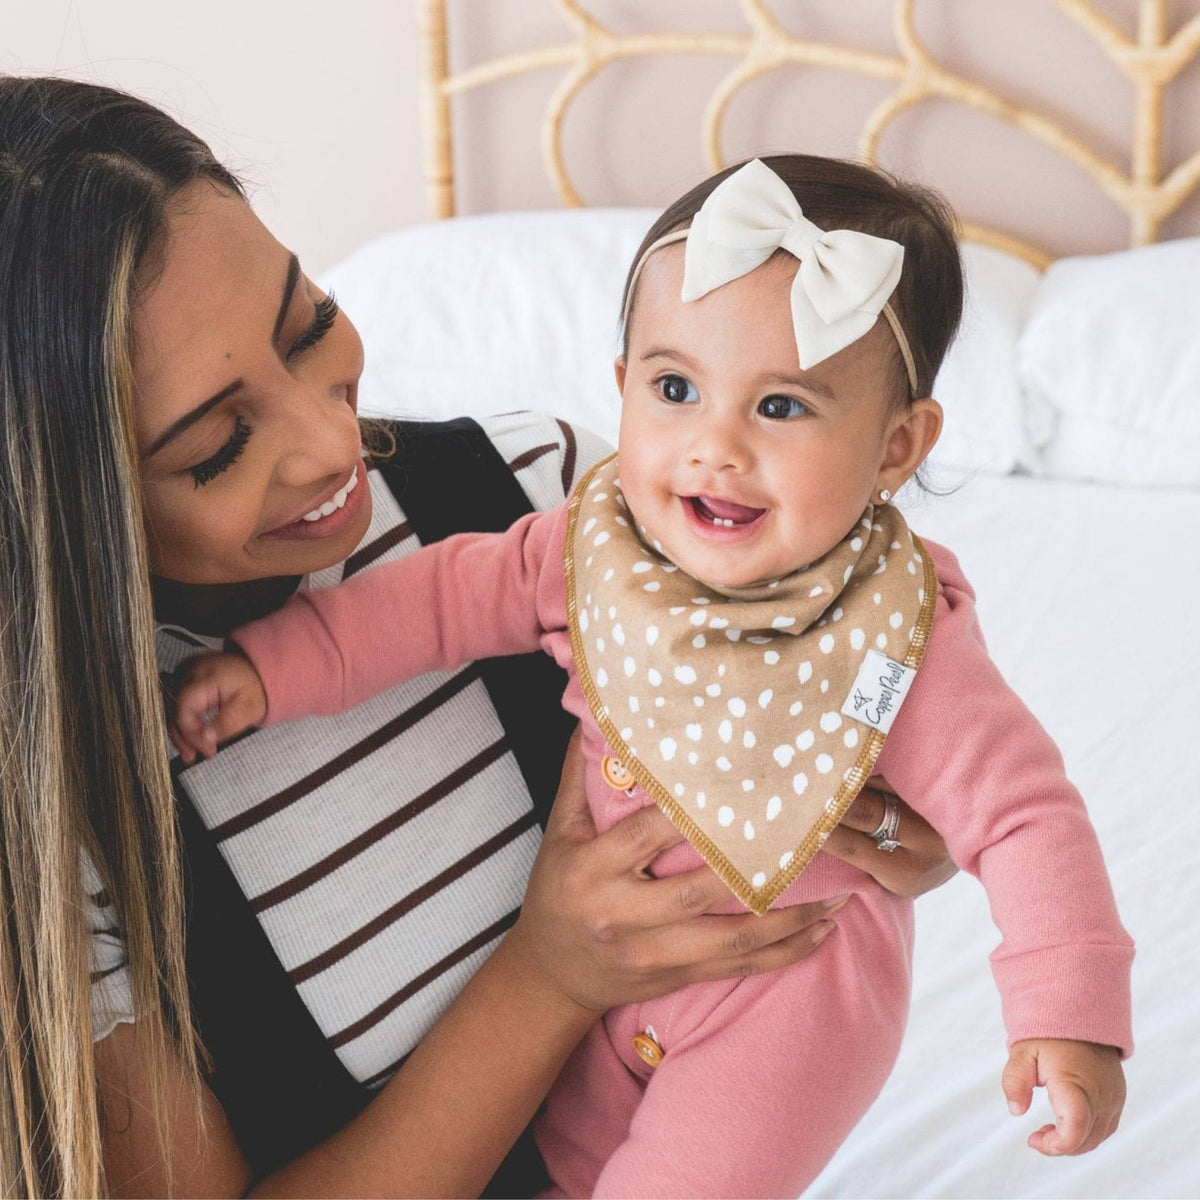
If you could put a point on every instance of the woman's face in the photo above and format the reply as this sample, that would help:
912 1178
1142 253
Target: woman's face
246 393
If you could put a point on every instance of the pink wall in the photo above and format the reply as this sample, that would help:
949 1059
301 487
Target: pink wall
318 105
633 135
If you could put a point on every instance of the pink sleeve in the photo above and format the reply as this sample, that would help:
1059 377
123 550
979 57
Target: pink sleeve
967 754
474 595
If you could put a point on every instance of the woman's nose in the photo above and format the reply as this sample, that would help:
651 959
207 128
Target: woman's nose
319 434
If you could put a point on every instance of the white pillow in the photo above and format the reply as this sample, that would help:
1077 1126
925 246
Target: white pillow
486 314
1110 362
977 386
489 314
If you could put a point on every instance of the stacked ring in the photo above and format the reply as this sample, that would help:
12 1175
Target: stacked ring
885 836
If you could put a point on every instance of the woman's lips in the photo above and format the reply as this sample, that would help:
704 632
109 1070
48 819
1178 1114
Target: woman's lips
303 528
722 520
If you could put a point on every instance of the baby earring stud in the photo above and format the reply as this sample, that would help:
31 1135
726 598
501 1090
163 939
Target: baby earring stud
884 496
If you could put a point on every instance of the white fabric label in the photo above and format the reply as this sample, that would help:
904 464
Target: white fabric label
879 690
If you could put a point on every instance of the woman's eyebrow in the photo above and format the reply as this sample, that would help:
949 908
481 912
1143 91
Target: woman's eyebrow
289 286
190 418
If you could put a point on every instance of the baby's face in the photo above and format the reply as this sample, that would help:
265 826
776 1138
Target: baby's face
739 464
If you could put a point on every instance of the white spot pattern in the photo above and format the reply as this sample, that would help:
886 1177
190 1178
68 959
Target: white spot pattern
765 749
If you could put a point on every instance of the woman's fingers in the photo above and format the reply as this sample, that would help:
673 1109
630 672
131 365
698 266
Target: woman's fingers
723 947
677 897
713 947
866 813
921 862
635 841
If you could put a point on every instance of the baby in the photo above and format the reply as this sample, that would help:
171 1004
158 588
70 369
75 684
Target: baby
751 631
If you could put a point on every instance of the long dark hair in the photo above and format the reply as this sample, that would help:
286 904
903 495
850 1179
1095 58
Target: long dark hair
85 175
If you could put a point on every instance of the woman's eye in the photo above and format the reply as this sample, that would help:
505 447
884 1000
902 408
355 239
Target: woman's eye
677 390
224 458
779 408
323 319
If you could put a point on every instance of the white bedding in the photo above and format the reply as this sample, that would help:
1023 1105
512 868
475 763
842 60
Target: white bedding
1088 594
1102 644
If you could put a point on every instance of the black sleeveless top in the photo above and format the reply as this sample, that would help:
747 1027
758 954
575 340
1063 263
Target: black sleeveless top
280 1082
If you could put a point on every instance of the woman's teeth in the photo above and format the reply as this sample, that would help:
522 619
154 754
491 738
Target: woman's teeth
335 501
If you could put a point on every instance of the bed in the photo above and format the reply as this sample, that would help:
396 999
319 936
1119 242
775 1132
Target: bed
1072 443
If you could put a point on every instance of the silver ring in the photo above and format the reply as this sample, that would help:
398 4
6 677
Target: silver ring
885 836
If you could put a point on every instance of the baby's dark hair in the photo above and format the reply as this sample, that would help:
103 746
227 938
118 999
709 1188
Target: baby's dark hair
836 194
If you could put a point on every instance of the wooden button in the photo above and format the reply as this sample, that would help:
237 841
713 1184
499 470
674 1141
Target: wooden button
615 774
647 1049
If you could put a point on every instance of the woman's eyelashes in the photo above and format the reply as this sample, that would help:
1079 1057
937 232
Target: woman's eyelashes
326 311
676 390
224 458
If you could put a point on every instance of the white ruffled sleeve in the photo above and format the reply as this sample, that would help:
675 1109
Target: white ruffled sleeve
112 1001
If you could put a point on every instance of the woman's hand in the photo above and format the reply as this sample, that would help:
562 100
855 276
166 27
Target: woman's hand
921 863
605 933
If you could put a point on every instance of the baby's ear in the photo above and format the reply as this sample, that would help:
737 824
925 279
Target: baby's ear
915 435
619 371
912 436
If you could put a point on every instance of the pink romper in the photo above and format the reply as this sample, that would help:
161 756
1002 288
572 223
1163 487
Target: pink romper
761 1079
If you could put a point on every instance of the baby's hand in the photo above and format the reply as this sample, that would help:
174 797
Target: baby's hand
1086 1086
225 685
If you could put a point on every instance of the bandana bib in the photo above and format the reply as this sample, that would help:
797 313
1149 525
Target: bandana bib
751 716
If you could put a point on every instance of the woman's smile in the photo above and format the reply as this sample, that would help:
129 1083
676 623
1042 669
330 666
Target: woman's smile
331 514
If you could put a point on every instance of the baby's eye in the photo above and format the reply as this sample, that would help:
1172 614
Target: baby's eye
677 390
779 408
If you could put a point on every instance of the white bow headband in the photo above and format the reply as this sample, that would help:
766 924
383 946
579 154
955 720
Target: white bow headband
844 280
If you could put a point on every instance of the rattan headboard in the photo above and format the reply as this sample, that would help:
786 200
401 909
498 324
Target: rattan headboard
1150 61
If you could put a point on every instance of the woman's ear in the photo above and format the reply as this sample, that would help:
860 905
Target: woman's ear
913 434
619 371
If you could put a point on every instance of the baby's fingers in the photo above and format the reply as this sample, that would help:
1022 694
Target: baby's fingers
191 733
1018 1080
1073 1125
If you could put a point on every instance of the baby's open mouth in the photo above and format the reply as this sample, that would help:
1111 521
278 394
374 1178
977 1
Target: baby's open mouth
723 512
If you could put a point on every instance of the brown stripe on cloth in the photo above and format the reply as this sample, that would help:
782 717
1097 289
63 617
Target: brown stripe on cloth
356 753
568 465
383 1076
99 975
531 456
380 546
378 831
186 638
452 959
391 915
